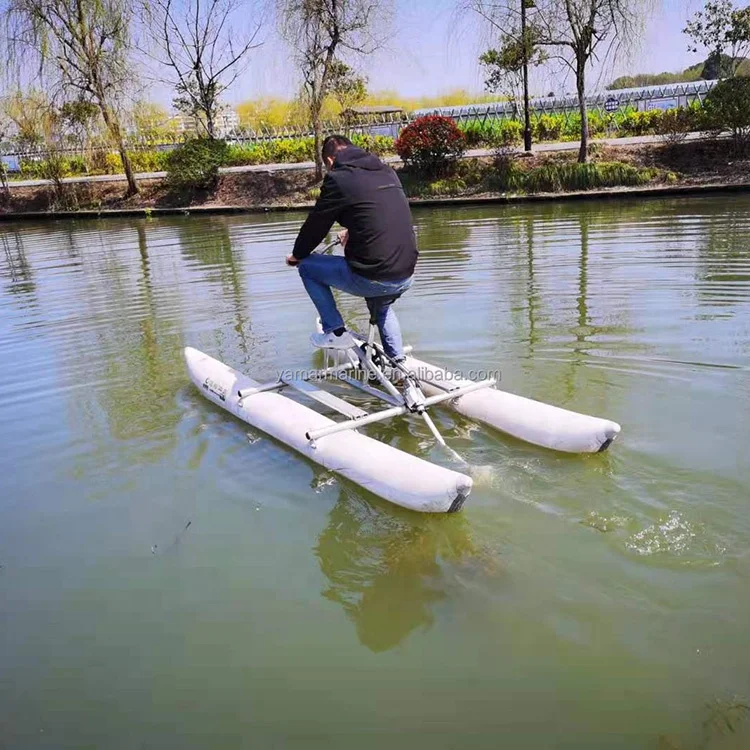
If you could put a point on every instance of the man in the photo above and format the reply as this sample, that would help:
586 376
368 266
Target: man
364 196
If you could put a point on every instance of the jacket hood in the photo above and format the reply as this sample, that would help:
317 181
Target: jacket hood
351 156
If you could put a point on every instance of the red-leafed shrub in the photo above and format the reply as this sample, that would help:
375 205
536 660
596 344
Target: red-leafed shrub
431 145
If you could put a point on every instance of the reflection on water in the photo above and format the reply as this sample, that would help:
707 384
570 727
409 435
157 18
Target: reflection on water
17 268
618 579
387 570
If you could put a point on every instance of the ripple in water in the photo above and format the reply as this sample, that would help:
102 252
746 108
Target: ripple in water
676 536
322 481
604 523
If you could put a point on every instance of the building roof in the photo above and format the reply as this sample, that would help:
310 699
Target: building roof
388 109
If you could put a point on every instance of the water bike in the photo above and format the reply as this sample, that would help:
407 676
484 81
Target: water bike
408 389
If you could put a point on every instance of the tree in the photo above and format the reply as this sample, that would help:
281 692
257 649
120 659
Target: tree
724 31
32 114
153 124
504 66
6 126
717 66
508 68
727 107
201 43
577 29
84 46
79 117
347 88
317 30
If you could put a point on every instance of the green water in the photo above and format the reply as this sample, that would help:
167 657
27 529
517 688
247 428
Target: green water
576 602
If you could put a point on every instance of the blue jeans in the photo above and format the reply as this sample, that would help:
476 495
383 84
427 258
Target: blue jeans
321 272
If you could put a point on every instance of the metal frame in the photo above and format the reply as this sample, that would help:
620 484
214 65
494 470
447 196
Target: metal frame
397 411
365 358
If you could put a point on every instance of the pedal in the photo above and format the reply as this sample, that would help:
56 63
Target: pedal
413 396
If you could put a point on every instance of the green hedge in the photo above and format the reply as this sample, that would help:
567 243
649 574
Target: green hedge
101 163
557 127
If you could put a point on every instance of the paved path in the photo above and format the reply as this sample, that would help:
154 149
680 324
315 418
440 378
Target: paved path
305 165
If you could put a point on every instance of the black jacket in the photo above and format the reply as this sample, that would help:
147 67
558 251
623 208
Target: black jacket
365 196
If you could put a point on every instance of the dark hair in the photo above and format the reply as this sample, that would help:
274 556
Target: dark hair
334 143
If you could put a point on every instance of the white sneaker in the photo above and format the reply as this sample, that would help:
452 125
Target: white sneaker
332 341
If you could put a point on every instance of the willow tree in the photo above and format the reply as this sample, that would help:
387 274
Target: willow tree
81 47
320 32
575 31
203 46
33 116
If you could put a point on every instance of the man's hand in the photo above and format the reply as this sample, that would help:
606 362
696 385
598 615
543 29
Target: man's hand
291 260
343 236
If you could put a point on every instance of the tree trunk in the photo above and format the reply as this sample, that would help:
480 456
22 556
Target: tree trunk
315 111
583 153
210 124
110 120
4 182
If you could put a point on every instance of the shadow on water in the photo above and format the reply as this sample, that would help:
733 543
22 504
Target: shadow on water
389 568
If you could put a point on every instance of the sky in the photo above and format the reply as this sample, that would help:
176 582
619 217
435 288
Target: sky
433 49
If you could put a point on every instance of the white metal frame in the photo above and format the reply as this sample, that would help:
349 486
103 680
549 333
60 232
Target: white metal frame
411 401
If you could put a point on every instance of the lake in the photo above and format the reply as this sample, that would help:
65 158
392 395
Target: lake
171 578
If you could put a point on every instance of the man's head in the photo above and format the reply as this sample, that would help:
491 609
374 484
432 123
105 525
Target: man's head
331 146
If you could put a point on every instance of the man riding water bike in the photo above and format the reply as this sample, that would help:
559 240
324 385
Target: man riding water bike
365 196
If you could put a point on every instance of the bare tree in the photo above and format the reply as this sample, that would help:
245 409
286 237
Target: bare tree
319 29
84 46
200 43
578 31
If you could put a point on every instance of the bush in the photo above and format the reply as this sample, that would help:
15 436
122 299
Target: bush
195 163
98 161
141 161
53 165
288 150
475 132
471 172
491 133
446 186
380 145
506 175
552 178
431 145
510 133
727 107
641 123
676 124
547 128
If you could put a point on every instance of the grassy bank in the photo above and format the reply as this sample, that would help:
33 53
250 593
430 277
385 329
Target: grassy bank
617 168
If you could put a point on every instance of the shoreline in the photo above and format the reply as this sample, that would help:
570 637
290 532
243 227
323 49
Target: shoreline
636 172
657 191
